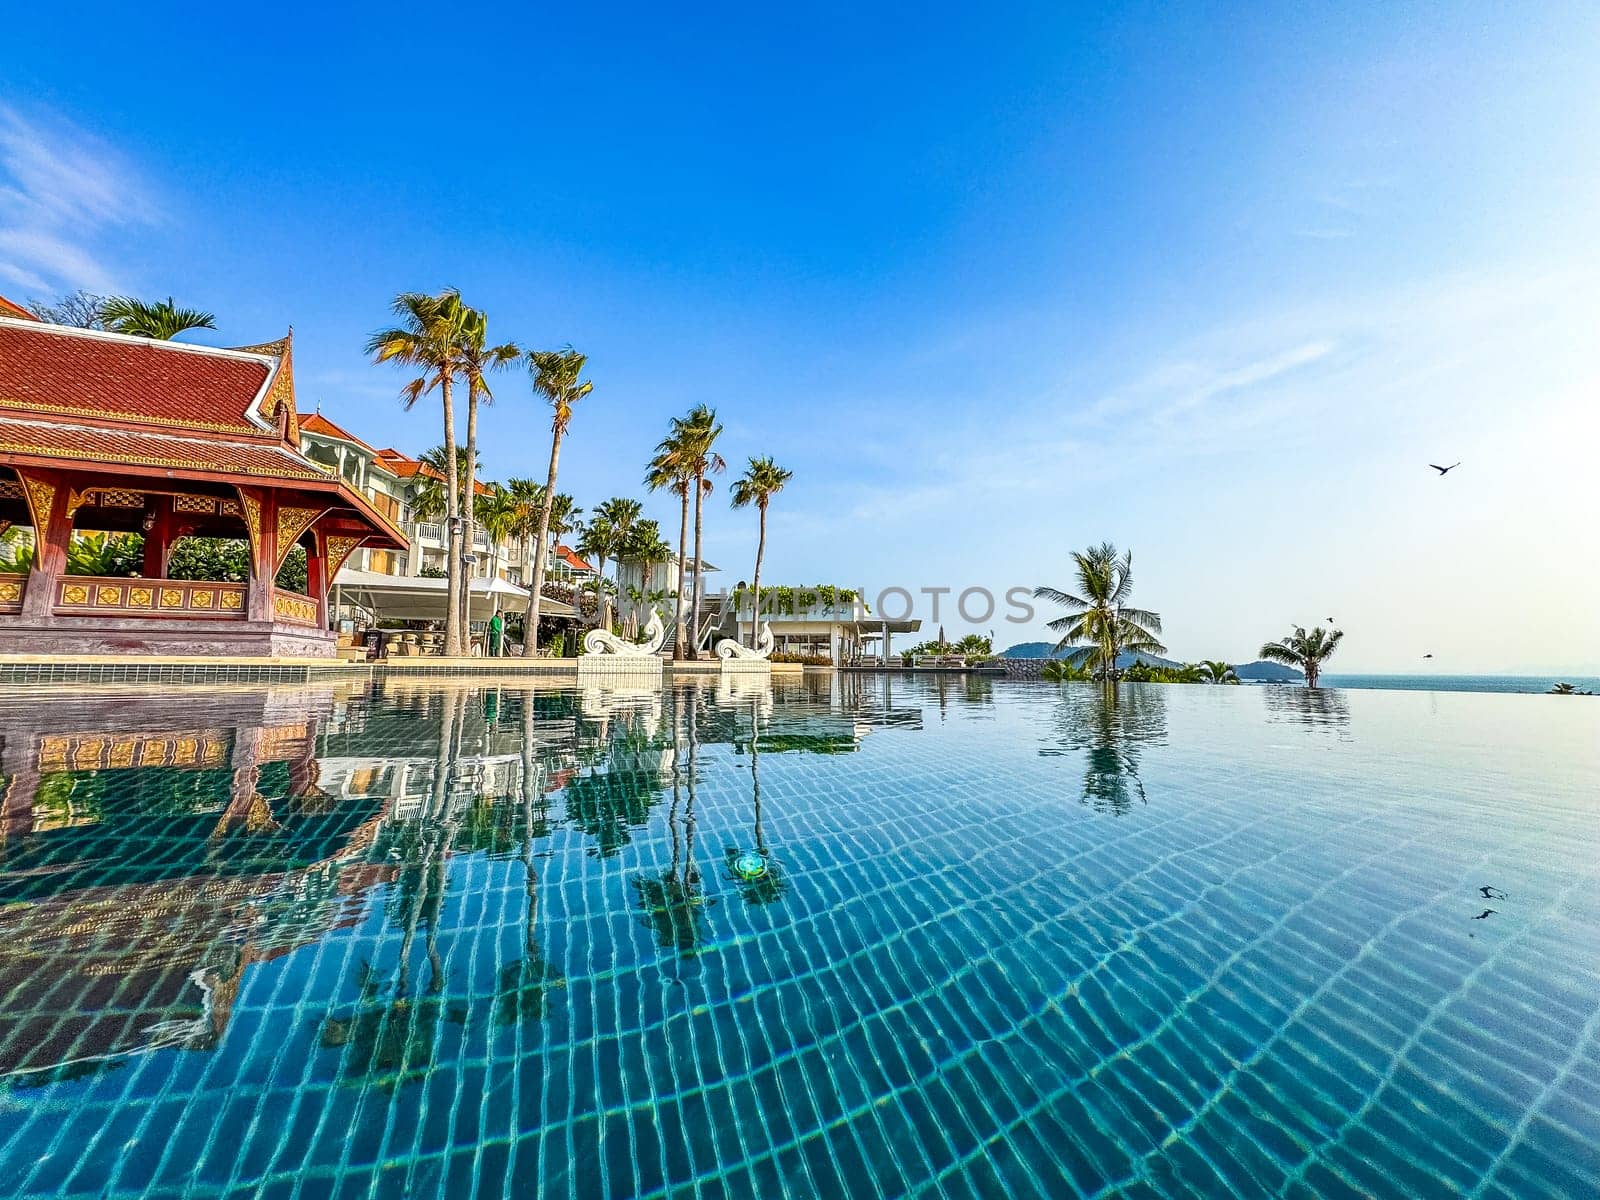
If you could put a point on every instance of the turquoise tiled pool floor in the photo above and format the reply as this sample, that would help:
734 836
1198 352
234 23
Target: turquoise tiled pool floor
868 937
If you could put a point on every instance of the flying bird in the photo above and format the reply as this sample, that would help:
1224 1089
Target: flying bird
1444 470
1427 656
1485 913
1492 893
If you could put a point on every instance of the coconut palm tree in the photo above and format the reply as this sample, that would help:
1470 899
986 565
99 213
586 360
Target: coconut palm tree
162 320
429 338
478 360
1102 618
644 547
1308 651
556 377
497 513
1214 671
668 470
619 514
693 438
599 541
762 480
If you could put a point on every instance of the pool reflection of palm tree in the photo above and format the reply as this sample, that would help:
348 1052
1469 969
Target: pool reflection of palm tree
391 1042
524 983
673 903
1322 708
755 873
1110 725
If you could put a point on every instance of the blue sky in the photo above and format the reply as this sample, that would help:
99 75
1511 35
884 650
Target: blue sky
995 282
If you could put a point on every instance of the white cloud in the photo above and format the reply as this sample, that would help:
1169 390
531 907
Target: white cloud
60 189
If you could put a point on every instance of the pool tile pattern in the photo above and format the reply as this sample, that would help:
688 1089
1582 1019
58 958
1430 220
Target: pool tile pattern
408 939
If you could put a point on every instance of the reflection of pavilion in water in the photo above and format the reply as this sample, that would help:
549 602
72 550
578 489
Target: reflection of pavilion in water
144 867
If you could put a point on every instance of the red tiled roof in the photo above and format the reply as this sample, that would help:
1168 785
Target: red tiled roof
405 467
64 372
9 308
572 560
317 423
97 445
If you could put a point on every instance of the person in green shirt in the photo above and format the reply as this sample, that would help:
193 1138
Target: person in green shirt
496 632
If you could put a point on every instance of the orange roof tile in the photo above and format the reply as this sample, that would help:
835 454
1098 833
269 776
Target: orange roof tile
10 308
317 423
572 560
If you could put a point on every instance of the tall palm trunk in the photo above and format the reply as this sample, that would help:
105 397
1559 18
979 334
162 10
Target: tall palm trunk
683 550
530 617
755 580
600 621
469 515
699 586
452 510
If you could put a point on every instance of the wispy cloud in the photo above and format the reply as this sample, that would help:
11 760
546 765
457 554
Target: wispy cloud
61 190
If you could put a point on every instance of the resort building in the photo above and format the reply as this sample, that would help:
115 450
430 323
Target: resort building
103 434
825 623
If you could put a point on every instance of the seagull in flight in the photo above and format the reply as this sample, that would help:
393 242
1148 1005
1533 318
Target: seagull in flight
1492 893
1484 914
1444 470
1427 656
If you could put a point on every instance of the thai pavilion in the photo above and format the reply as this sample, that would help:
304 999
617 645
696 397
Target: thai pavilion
102 432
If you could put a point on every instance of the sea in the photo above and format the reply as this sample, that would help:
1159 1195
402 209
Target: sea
1462 683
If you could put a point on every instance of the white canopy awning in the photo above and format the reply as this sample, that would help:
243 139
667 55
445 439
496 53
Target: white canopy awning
420 598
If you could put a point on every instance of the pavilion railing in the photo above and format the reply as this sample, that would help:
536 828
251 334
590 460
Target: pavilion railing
293 608
149 597
11 587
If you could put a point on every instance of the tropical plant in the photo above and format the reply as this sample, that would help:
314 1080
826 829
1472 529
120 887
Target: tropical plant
619 516
429 338
691 442
1100 625
556 377
762 480
80 310
669 471
497 513
162 320
597 541
429 494
478 360
1218 672
1567 689
1308 651
1059 670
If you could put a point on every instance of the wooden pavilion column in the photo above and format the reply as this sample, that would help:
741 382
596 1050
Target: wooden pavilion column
261 519
317 577
158 539
49 499
19 785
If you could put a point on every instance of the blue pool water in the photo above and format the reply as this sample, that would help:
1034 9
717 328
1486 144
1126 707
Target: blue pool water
1005 939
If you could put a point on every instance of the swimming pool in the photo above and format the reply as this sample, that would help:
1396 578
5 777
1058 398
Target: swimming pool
866 936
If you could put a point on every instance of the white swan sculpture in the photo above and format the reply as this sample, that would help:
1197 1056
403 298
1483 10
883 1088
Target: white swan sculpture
730 648
603 641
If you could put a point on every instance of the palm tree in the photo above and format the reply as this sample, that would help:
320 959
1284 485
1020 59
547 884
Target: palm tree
668 471
761 480
643 546
429 338
556 378
598 541
693 438
162 320
498 513
1308 651
1214 671
620 515
478 359
1102 616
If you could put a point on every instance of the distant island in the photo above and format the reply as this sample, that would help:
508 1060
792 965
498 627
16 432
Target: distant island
1259 671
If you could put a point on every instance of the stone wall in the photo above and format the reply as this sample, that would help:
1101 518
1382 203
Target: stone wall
1023 668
